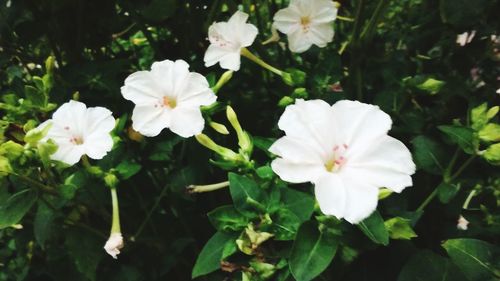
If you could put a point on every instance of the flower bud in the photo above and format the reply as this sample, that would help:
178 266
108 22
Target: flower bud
224 152
111 180
244 140
219 128
462 223
114 244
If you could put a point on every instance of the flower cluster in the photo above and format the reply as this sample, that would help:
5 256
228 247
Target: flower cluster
344 149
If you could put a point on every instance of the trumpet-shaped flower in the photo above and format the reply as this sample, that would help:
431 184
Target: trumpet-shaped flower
168 96
227 39
344 150
114 244
78 130
307 23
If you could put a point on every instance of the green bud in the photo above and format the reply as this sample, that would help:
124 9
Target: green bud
225 153
492 154
490 132
294 77
226 76
244 140
111 180
400 228
50 63
11 150
492 112
76 96
219 128
431 85
384 193
300 93
285 101
31 124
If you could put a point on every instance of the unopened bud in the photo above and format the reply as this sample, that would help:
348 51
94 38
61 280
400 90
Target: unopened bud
244 140
225 153
219 128
114 244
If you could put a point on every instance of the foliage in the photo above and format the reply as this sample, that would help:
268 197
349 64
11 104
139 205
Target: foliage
399 55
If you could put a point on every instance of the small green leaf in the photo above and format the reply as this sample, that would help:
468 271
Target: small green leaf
36 97
490 132
429 155
428 266
247 195
431 85
86 251
226 218
127 169
211 255
400 228
312 252
43 223
265 172
447 191
477 259
300 203
33 136
479 116
462 136
285 224
374 228
11 150
16 207
492 154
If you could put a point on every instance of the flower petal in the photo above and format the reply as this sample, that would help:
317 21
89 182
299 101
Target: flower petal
98 145
68 153
297 172
98 120
187 121
287 20
149 120
171 76
228 59
142 88
298 41
321 34
197 92
331 195
295 150
387 163
360 124
71 115
323 11
361 200
312 122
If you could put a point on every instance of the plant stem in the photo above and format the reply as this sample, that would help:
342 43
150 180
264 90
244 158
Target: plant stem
427 200
151 211
345 18
369 29
246 53
45 188
207 188
225 77
469 198
115 225
462 168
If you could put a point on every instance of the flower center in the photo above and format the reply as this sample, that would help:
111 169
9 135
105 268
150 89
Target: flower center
166 102
305 22
221 42
77 140
338 159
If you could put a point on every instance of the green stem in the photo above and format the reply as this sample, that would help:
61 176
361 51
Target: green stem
207 188
357 23
369 29
41 186
115 225
428 200
469 198
463 167
345 18
150 213
246 53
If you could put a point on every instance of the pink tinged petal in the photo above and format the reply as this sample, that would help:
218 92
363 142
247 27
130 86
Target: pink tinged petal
150 120
321 34
171 76
287 20
68 153
361 200
197 92
99 120
324 11
311 122
387 163
299 41
296 172
295 150
97 145
141 88
187 121
331 195
360 124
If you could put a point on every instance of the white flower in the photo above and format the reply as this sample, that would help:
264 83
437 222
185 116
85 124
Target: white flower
168 96
78 130
227 39
465 38
307 22
114 244
345 151
462 223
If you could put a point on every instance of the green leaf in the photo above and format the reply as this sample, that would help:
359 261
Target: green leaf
428 266
127 169
263 143
477 259
490 132
492 154
33 136
428 155
300 203
16 207
431 85
312 252
447 191
285 224
247 195
72 184
45 149
86 251
374 228
462 12
265 172
462 136
211 255
11 150
43 224
227 218
36 97
479 117
400 228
